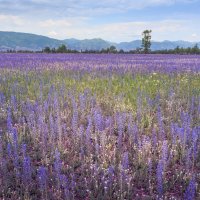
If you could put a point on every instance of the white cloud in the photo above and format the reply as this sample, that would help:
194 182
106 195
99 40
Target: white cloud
126 31
11 20
120 5
54 23
52 34
81 28
194 35
80 7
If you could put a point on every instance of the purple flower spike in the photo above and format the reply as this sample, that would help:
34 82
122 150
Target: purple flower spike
27 171
42 178
190 190
159 174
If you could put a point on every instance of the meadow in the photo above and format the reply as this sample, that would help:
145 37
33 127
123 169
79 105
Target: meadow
99 127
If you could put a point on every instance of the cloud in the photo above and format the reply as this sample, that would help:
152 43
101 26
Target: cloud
107 19
81 28
54 23
52 34
11 20
123 31
126 31
80 7
194 35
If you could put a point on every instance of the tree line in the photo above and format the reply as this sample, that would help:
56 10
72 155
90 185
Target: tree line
63 49
180 50
112 49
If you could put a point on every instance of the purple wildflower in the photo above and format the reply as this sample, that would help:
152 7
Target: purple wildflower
15 139
82 100
149 166
75 117
135 134
42 178
27 171
160 124
159 175
125 161
120 129
66 186
154 138
139 105
108 122
24 150
57 163
15 149
52 127
164 152
98 121
130 125
188 158
88 131
9 150
9 121
190 190
2 99
194 142
13 102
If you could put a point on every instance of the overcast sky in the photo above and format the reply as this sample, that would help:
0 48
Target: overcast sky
113 20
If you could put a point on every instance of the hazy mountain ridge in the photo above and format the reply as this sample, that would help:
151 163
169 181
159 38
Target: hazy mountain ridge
27 41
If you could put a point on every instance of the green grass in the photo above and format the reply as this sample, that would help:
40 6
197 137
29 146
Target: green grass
106 88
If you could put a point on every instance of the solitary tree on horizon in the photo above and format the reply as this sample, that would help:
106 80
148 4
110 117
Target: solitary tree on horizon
146 41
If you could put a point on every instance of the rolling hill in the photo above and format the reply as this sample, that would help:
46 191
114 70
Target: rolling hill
27 41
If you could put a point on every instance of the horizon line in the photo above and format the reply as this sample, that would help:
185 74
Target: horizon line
99 38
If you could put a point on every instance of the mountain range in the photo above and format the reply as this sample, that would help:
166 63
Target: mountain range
27 41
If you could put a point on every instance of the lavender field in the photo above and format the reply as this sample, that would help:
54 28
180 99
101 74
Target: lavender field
99 127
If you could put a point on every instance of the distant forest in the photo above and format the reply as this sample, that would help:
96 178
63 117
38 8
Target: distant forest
112 49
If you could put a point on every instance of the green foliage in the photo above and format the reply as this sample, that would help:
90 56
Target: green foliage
62 49
146 40
112 49
47 50
180 50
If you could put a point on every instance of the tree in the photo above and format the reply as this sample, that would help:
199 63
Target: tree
53 50
138 50
146 41
195 49
177 50
112 49
47 50
62 49
121 51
